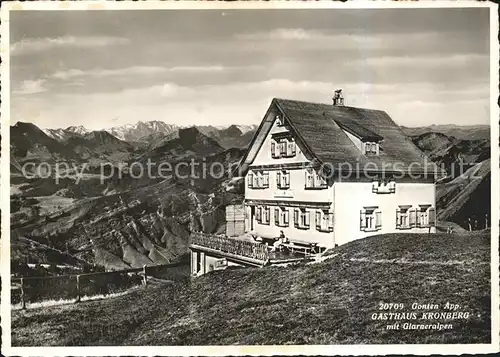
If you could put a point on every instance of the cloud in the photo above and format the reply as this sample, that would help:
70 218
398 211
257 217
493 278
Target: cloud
34 45
246 102
282 34
331 40
134 70
454 60
31 87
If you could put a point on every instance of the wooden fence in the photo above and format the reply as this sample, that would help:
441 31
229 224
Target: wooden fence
74 287
233 246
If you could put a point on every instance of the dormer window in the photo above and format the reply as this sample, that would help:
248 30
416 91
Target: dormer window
371 148
384 186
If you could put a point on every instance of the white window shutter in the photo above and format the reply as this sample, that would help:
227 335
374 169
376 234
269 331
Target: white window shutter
293 147
308 218
278 179
432 216
413 217
318 219
330 222
378 219
286 218
398 217
362 220
250 180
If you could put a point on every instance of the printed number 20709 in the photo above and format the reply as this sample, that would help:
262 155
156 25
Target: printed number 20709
390 306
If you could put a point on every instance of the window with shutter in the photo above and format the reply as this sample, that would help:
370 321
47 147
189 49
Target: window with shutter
378 219
283 146
330 222
273 149
286 217
296 217
277 216
370 219
362 220
307 219
413 217
278 179
258 214
250 180
309 178
432 216
318 220
398 218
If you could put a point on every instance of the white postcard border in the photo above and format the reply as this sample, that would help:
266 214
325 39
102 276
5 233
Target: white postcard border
451 349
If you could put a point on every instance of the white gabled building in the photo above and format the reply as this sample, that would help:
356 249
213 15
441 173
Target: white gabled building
329 174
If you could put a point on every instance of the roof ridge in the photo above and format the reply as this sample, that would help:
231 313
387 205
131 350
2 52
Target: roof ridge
325 104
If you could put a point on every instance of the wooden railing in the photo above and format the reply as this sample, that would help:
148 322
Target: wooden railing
74 287
223 244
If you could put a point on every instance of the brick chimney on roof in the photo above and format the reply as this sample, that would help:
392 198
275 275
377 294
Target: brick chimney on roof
338 98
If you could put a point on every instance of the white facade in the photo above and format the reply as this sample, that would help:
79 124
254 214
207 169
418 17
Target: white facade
333 211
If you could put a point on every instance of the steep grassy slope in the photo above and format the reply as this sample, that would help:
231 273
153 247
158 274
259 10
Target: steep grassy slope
466 196
325 303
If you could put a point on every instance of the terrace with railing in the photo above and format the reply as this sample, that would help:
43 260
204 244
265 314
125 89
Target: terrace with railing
229 246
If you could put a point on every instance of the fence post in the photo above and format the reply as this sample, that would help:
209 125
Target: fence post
145 277
77 288
23 302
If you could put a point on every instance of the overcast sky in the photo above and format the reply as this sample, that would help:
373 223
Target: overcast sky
108 68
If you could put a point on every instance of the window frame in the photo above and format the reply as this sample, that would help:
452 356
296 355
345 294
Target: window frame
374 214
423 216
324 220
384 186
302 218
371 148
258 179
311 179
283 147
403 211
280 174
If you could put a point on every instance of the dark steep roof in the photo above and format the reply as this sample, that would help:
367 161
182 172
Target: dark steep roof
319 127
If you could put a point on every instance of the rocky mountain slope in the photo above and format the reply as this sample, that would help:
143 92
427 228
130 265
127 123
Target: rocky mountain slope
126 219
141 130
129 220
453 154
465 199
28 142
470 132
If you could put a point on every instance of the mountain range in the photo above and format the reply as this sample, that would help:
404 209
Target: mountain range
128 221
468 132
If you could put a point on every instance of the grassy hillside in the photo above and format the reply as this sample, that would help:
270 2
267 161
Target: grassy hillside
325 303
466 196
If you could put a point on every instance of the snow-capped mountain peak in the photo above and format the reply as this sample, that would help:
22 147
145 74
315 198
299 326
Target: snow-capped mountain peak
80 129
136 132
